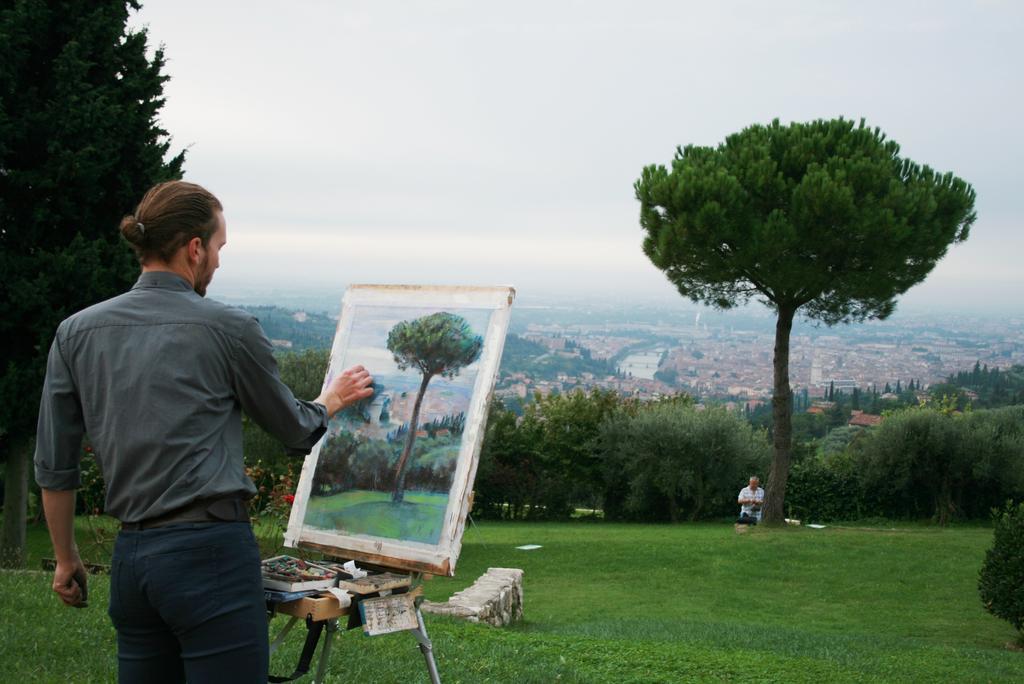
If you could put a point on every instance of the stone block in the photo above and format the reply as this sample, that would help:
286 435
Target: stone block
496 598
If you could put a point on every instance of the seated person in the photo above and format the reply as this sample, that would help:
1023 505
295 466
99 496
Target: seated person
751 499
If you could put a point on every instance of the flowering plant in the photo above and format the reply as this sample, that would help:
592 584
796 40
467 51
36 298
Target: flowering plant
91 500
92 495
272 504
274 491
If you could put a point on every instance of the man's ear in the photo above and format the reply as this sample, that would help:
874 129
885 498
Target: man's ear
194 245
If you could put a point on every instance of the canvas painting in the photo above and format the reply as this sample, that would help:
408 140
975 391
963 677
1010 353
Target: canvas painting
390 481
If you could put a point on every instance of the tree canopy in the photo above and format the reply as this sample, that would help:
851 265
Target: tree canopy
80 143
823 217
440 343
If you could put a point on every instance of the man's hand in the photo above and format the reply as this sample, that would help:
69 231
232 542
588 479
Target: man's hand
69 579
351 386
69 582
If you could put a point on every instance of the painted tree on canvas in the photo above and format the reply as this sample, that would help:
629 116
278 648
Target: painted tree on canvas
437 344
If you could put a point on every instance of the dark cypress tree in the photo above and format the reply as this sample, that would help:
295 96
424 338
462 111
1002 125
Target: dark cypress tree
79 145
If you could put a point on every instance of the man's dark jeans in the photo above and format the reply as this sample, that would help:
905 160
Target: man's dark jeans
187 603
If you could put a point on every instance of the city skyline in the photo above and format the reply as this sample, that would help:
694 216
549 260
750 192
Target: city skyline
653 351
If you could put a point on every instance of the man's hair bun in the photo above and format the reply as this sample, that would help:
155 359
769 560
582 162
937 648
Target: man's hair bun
132 230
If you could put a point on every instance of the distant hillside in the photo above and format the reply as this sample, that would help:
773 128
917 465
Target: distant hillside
295 330
540 363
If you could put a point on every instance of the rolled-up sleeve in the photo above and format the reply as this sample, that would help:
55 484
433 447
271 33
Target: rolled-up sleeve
267 400
61 428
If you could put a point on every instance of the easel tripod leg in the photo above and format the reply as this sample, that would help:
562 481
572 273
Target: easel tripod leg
426 647
283 633
325 654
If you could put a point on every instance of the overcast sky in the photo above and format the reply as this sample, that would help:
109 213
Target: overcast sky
497 143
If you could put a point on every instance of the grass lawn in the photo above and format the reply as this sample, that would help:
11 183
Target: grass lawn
419 517
638 603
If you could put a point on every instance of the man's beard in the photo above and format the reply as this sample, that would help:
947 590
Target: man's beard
203 278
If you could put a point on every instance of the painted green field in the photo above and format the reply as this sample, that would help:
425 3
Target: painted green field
640 603
418 518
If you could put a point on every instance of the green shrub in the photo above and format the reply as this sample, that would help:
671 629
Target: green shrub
1001 581
932 460
679 461
544 464
825 489
839 439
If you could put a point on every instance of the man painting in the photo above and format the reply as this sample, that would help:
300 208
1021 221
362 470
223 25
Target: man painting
158 378
751 499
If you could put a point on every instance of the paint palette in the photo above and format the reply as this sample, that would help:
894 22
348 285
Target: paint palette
287 573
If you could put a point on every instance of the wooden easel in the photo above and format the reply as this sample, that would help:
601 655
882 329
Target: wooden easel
321 613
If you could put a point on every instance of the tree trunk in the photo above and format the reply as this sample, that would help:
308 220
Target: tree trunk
698 506
782 422
673 508
944 502
399 494
12 544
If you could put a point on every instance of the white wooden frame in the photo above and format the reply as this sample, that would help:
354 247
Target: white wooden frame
406 554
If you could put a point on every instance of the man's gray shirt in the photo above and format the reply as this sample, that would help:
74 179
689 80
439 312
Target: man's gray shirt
158 378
